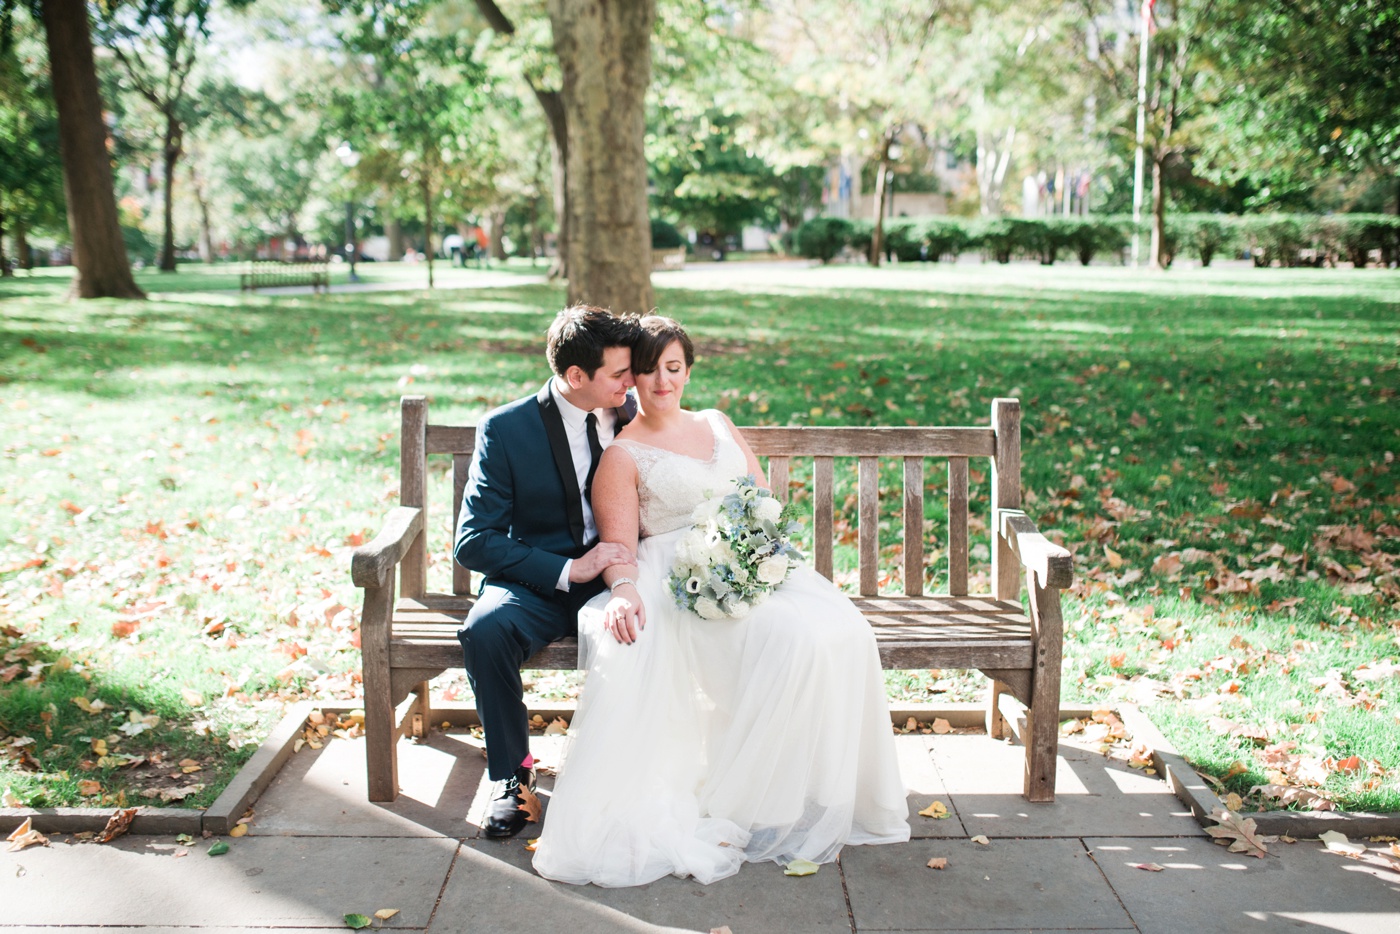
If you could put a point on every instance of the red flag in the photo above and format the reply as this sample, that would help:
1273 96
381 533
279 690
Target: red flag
1149 23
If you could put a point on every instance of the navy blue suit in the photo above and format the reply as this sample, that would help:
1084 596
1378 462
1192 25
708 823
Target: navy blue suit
521 519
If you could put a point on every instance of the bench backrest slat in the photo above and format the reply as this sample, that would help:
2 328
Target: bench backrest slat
957 526
868 535
778 477
413 491
780 445
913 526
461 464
867 442
823 514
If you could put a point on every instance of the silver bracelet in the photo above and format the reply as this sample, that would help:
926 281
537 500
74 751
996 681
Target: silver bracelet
620 581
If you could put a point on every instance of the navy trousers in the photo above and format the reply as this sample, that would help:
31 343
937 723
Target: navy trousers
509 623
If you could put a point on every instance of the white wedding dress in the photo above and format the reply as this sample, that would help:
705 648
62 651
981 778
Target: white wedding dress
706 744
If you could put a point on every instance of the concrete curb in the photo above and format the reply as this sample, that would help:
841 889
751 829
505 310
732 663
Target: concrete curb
258 773
1196 794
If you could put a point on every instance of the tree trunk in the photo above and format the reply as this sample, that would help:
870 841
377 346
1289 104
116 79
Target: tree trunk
1158 248
23 255
882 193
552 103
426 182
206 236
5 270
171 151
604 49
497 220
393 232
99 255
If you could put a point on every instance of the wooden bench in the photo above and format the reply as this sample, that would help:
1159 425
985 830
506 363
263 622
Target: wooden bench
262 274
408 639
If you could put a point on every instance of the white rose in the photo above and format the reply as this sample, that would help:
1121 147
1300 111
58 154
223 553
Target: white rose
706 511
706 608
768 509
690 550
773 569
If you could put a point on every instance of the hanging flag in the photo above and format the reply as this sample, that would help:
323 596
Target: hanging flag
1149 22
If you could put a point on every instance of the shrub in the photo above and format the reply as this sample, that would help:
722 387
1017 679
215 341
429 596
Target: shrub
1274 237
904 239
946 236
665 236
994 236
824 237
1090 236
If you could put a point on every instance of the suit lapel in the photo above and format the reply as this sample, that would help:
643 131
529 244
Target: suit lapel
563 460
625 412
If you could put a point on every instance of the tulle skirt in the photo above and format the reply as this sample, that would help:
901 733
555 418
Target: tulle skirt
706 744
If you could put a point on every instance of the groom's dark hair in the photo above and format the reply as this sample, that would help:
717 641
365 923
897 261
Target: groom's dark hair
580 334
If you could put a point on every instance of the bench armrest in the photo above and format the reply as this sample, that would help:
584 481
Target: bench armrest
372 562
1051 563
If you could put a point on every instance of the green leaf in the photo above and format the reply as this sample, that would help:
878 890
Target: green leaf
356 922
800 867
218 848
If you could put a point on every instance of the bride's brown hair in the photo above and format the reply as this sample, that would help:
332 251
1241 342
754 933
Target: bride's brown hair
654 334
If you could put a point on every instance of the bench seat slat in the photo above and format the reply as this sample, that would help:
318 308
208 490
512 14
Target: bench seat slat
911 632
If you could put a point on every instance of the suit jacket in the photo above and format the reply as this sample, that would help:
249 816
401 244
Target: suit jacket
522 513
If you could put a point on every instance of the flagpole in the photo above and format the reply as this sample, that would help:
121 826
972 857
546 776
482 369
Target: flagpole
1141 127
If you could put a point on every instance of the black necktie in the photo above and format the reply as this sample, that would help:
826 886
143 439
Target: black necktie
595 452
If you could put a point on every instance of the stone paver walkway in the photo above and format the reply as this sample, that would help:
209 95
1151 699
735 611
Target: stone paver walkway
317 850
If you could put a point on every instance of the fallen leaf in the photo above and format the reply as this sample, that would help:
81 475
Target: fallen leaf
238 830
1349 764
10 800
357 922
384 914
26 836
1338 843
938 862
1150 867
1233 802
981 839
941 726
800 867
118 824
1115 560
1241 833
1295 794
88 788
218 848
557 727
530 804
936 810
99 747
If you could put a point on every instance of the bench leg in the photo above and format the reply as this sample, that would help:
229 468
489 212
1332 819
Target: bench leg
1043 715
381 732
422 712
996 721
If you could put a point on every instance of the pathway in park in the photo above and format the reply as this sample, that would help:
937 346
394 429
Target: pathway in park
317 851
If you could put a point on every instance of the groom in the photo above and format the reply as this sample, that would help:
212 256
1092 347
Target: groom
527 525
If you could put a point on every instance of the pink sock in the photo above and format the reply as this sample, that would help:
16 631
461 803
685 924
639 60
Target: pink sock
528 762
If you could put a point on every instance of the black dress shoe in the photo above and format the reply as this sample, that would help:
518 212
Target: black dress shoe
506 814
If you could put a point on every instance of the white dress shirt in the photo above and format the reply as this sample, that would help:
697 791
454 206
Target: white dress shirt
576 430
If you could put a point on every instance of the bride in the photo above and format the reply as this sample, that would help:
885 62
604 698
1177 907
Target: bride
702 744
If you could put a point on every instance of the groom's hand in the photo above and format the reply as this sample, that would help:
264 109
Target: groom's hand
600 557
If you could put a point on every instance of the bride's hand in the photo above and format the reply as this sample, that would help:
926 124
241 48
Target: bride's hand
625 616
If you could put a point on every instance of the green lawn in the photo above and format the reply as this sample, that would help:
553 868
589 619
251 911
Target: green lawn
183 480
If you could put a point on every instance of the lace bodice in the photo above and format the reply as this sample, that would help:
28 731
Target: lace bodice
671 485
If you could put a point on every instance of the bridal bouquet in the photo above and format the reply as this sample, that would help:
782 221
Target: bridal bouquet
737 552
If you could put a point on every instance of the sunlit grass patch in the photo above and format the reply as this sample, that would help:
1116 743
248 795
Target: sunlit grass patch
183 481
